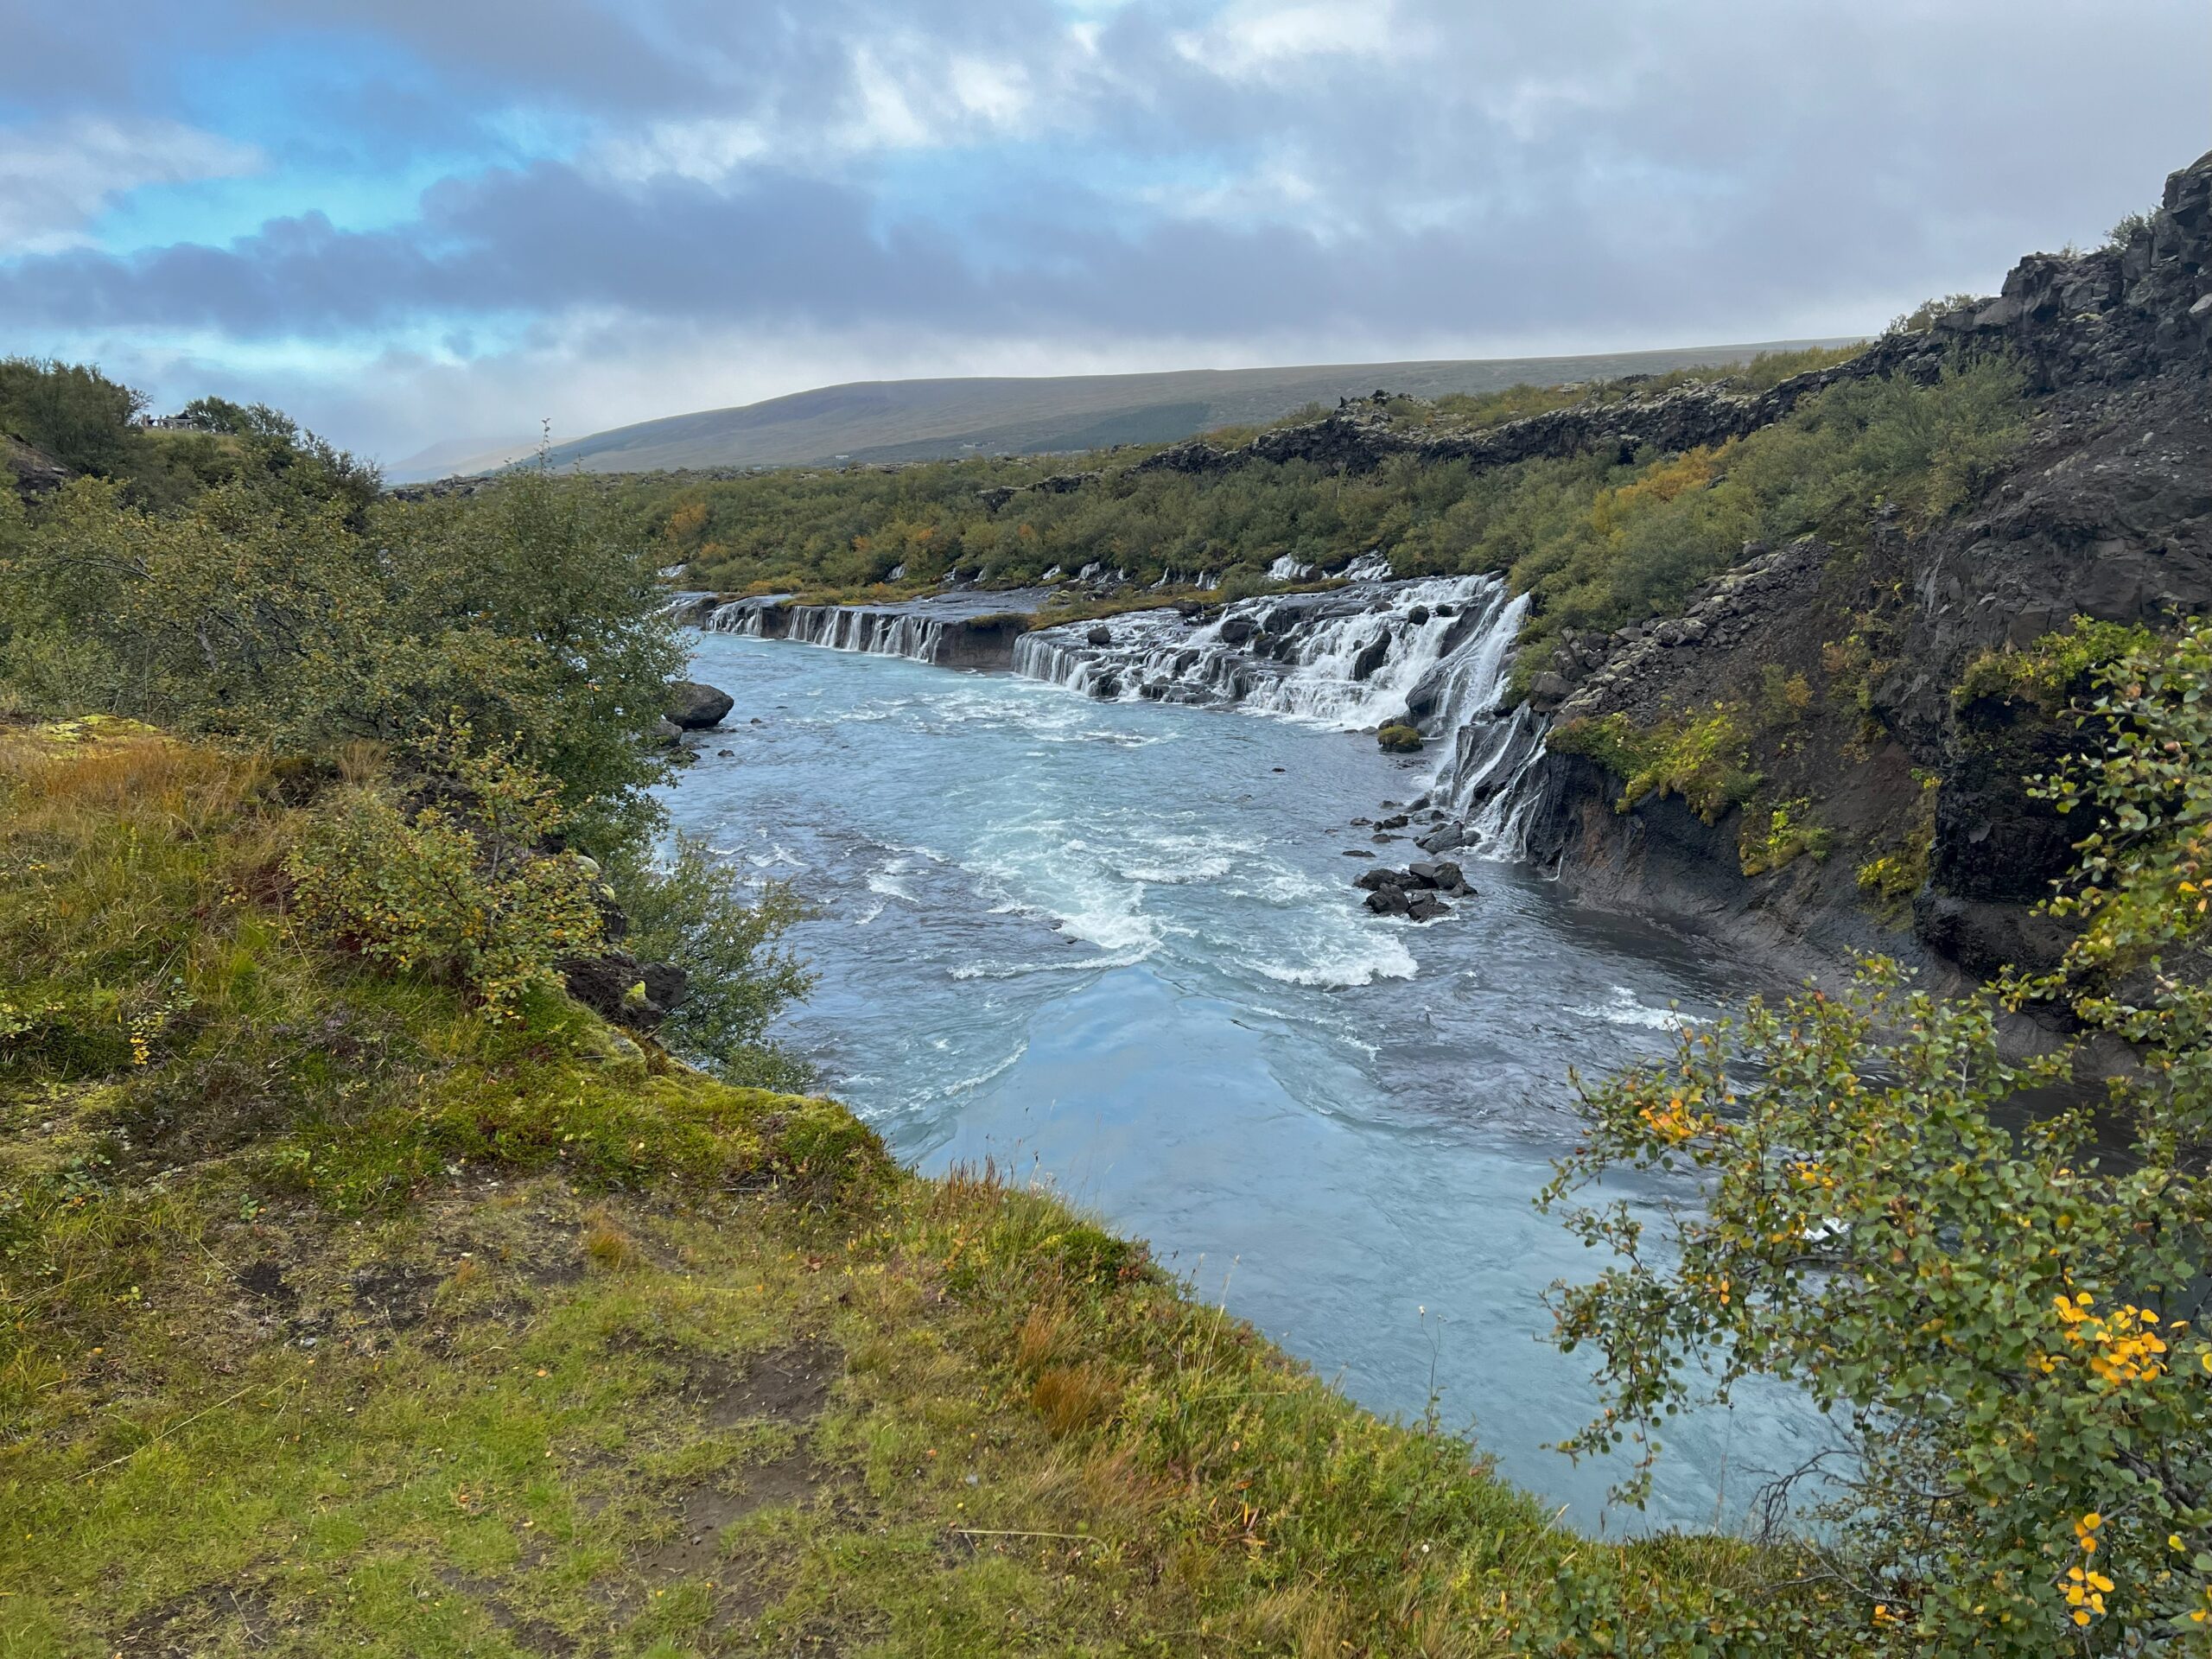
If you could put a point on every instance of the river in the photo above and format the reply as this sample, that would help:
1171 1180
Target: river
1114 947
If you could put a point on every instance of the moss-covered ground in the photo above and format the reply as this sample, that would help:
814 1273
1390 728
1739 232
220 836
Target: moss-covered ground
337 1317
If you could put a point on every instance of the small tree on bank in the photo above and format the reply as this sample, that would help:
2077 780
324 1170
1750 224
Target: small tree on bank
2004 1309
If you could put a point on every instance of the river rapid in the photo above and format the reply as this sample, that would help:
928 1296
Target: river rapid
1114 947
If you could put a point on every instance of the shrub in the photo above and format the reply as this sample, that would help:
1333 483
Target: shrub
2056 669
454 887
1893 878
1399 739
1706 761
280 620
2002 1322
691 910
1786 833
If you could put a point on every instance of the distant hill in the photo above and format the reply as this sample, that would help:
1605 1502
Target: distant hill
460 457
923 420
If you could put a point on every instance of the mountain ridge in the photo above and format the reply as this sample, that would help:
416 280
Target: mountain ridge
944 417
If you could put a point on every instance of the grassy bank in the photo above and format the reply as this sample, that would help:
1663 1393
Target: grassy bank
335 1314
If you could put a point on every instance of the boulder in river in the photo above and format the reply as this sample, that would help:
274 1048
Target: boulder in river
1372 655
1387 900
695 707
1416 893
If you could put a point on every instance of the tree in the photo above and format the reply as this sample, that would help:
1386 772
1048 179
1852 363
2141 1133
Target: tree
1999 1310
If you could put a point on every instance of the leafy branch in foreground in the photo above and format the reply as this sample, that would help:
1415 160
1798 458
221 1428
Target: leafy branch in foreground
1998 1307
691 911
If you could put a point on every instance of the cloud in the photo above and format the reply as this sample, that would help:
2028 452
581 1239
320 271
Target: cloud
721 199
57 176
1266 38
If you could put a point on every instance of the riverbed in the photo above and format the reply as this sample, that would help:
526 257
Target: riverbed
1114 947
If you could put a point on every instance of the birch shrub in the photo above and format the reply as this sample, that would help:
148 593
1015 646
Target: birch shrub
2000 1306
457 885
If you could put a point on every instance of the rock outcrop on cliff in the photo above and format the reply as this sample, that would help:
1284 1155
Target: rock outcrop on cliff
1847 665
30 472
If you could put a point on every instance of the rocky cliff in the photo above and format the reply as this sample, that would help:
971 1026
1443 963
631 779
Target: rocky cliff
1869 689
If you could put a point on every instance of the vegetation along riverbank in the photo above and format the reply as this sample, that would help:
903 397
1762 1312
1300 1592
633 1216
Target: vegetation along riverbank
413 1241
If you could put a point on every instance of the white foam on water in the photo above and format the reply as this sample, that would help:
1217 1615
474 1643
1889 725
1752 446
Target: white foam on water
886 881
863 921
1625 1008
1343 958
981 1077
1024 969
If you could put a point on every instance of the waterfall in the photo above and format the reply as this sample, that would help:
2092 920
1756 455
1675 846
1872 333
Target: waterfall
1435 651
744 617
839 627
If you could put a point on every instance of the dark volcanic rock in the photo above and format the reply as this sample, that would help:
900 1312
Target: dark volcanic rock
31 471
618 986
1387 900
2105 511
696 707
1371 657
1427 907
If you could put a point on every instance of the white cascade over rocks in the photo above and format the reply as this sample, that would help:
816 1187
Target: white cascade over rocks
881 633
1432 652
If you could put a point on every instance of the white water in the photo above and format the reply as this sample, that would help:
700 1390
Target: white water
1117 945
840 627
1443 644
1357 658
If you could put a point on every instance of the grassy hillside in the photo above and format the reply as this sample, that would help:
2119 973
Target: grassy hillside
336 1312
929 420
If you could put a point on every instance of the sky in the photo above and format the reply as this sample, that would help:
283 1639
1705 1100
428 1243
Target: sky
415 220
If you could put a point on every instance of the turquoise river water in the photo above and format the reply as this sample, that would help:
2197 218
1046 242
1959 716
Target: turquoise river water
1115 947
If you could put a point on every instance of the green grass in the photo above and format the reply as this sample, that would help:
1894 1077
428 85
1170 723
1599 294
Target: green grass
336 1315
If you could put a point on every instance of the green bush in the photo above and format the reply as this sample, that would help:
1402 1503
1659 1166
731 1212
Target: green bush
692 910
1399 739
1705 760
2001 1319
2056 669
524 611
455 887
1785 833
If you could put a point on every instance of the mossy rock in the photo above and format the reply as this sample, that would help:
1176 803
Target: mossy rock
1399 739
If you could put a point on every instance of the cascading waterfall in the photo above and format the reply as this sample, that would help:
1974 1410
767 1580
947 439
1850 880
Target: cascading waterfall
881 633
741 618
1433 649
